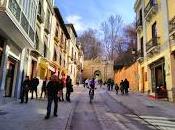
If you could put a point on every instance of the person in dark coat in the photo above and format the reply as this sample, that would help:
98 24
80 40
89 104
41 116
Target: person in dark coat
52 91
109 84
43 89
69 88
116 88
122 87
112 84
34 85
24 89
126 86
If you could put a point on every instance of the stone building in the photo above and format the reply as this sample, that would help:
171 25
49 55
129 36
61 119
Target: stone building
98 68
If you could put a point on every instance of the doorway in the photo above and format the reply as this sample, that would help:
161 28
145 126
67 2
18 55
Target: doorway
1 49
33 71
143 81
11 65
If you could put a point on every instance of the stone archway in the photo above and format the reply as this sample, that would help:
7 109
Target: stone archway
97 66
98 74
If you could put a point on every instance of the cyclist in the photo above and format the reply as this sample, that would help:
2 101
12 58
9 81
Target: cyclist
91 89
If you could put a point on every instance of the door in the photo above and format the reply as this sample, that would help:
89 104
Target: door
33 71
10 77
143 81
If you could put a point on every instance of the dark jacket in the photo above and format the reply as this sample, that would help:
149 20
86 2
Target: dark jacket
34 82
26 85
52 88
68 85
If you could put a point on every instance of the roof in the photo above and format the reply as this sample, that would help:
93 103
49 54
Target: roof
61 21
73 29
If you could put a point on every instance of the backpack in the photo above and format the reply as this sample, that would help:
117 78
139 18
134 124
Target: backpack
92 83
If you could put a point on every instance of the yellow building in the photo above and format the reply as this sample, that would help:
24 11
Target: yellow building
155 49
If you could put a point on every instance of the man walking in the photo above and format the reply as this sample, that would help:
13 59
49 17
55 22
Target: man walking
52 91
126 86
69 88
34 85
24 89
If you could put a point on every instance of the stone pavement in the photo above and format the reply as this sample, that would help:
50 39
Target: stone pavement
16 116
156 112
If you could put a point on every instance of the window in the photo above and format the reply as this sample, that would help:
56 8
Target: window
140 16
154 30
142 47
60 59
55 55
72 52
45 50
154 33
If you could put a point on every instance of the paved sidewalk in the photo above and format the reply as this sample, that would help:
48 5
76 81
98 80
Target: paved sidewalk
158 113
16 116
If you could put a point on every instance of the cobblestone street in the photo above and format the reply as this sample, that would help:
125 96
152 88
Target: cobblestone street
108 111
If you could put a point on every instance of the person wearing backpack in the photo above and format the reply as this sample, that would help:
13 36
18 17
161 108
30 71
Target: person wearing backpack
69 88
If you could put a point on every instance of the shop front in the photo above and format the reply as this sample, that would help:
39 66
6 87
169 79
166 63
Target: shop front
34 54
43 68
158 81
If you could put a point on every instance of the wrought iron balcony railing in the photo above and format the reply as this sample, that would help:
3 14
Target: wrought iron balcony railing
152 43
150 9
140 53
41 15
139 24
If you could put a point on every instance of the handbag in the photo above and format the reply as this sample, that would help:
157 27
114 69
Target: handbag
71 88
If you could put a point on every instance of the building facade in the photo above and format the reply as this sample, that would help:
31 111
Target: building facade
155 47
34 42
17 35
73 54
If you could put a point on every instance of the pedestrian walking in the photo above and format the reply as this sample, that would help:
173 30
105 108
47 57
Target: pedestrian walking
109 84
112 84
24 89
116 88
63 83
122 87
43 89
52 90
126 86
69 88
34 85
86 83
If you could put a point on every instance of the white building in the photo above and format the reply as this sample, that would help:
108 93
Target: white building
17 35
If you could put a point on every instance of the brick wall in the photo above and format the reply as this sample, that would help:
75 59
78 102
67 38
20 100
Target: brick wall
131 73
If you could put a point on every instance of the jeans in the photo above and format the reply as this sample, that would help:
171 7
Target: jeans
24 94
50 100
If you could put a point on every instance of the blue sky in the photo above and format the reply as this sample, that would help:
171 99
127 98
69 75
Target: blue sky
91 13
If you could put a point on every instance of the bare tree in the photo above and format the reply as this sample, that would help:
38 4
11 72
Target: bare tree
129 39
90 44
112 40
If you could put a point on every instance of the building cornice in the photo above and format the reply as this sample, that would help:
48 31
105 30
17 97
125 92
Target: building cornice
61 21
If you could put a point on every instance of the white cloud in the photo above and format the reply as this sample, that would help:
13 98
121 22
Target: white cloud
78 23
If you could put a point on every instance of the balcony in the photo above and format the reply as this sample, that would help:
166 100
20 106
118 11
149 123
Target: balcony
139 25
153 46
172 28
15 24
40 16
47 27
151 9
140 56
